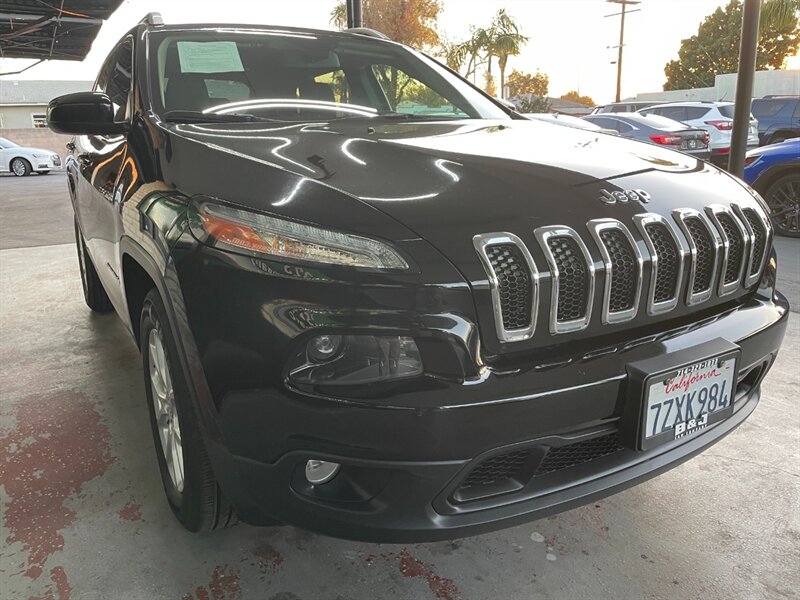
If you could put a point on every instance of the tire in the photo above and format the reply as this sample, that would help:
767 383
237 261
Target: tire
43 172
189 483
20 167
783 198
777 139
93 292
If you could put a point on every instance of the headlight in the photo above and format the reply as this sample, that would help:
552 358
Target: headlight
355 360
261 235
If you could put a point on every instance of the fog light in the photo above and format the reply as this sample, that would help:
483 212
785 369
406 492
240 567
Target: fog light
321 471
324 347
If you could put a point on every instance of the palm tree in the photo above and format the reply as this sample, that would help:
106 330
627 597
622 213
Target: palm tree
501 40
779 14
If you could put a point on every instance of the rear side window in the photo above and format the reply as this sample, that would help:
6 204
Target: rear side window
726 110
623 127
697 112
621 108
768 107
604 122
676 113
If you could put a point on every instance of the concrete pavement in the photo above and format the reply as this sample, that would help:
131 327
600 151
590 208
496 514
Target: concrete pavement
82 513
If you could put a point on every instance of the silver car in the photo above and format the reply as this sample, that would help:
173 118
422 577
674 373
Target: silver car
23 161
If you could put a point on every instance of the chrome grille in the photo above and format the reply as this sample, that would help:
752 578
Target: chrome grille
571 278
623 269
513 282
718 249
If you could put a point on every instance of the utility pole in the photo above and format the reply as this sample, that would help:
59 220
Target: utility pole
625 4
744 85
353 8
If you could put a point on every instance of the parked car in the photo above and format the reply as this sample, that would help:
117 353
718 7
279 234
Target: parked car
23 161
569 121
656 130
395 326
623 107
774 172
778 118
715 117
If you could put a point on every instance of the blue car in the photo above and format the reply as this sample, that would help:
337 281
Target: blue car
774 172
778 118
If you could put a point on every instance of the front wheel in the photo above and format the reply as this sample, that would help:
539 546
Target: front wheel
20 167
189 483
783 198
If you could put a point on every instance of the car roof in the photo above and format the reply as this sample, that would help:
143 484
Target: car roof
233 27
693 103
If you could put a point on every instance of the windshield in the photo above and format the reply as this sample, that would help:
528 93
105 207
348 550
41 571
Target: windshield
302 76
8 143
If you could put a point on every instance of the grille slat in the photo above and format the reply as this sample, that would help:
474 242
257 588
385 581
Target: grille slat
759 241
624 280
704 261
666 284
514 285
736 247
573 278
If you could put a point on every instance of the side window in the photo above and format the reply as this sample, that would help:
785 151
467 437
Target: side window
116 76
623 127
407 95
605 122
696 112
676 113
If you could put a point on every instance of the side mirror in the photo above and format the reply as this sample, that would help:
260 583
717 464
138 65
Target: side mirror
507 103
83 113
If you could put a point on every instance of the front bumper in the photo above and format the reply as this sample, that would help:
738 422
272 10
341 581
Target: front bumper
403 466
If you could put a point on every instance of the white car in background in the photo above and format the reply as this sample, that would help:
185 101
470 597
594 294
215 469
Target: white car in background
23 161
715 117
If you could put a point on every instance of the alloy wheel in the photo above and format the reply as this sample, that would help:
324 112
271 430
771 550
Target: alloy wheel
18 167
785 206
169 430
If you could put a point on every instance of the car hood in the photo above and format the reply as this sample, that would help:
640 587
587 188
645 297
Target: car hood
446 181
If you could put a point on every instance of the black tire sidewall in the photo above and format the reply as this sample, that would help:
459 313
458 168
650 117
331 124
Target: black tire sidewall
189 506
768 197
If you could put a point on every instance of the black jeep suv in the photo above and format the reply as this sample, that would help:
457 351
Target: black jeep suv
373 302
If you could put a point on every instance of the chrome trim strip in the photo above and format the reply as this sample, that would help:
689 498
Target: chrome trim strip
543 234
680 215
755 277
596 227
642 220
713 211
481 242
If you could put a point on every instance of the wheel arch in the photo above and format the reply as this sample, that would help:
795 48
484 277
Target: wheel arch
771 175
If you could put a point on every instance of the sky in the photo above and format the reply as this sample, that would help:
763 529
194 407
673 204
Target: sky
569 39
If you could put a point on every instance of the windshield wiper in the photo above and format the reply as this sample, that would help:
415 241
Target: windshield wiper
195 116
422 117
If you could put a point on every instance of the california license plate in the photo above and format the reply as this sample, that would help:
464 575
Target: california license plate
683 402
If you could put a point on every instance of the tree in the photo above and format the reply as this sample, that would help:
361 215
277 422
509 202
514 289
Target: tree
505 41
520 83
576 97
410 22
529 92
715 48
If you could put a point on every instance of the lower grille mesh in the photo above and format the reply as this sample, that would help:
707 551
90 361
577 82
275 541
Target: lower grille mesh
571 455
573 273
497 468
668 262
704 263
624 280
514 285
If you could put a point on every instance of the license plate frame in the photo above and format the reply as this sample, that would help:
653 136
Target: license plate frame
643 374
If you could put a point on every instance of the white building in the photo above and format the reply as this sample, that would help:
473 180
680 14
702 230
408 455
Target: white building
779 82
23 104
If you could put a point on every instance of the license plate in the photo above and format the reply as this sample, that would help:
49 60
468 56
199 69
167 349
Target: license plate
682 402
